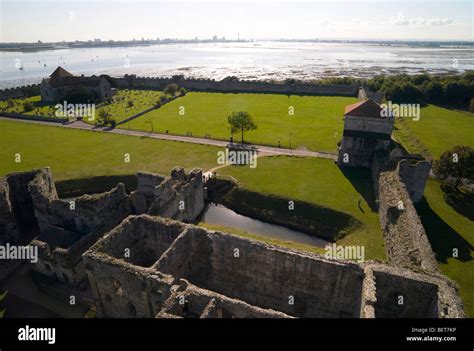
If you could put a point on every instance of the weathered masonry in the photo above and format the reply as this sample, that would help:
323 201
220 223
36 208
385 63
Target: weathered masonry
63 230
154 267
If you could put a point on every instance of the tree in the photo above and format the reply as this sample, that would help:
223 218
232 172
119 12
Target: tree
105 119
171 89
182 91
241 121
434 92
404 93
457 163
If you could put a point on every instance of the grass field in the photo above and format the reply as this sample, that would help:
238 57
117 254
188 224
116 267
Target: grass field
75 154
41 108
316 124
438 130
118 109
142 99
319 181
449 229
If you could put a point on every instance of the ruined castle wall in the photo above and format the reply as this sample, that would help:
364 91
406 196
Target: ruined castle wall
201 303
426 295
9 230
406 241
400 297
266 277
91 211
21 199
145 241
414 175
180 196
125 291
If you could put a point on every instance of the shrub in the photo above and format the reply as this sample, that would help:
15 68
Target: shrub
171 89
28 106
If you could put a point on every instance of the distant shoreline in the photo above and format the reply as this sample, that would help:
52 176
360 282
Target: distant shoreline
35 47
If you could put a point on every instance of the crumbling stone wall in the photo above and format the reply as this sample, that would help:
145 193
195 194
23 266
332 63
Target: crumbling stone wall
202 273
64 232
179 196
405 238
9 230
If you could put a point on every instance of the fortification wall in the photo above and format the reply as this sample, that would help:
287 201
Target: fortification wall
414 175
237 86
20 92
406 241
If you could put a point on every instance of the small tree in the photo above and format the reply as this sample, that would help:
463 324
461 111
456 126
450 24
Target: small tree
241 121
10 103
171 89
182 91
457 163
130 103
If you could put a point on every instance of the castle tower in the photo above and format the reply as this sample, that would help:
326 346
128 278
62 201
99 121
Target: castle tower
366 130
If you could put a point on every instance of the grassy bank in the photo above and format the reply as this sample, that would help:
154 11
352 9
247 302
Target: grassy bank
449 229
316 124
321 182
303 216
438 130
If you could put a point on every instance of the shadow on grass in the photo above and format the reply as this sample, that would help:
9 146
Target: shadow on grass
442 237
93 185
461 201
361 180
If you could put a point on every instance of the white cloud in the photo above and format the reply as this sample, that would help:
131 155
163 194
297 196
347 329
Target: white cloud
401 20
440 21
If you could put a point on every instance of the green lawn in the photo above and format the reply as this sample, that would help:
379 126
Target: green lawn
438 130
41 108
316 124
74 154
449 229
319 181
118 109
142 99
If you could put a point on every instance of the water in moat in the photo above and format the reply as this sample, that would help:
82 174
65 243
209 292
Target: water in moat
220 215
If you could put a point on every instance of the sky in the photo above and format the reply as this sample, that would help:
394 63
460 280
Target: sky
52 20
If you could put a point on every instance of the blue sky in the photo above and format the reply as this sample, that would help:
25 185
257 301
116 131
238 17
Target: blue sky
47 20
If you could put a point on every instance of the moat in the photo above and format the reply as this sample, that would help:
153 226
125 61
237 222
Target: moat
221 215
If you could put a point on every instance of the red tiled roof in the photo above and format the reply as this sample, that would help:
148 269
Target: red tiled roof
366 108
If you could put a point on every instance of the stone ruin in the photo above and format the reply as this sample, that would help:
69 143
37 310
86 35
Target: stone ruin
154 267
140 265
63 230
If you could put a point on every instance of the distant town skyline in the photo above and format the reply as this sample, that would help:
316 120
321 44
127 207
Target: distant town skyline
70 20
